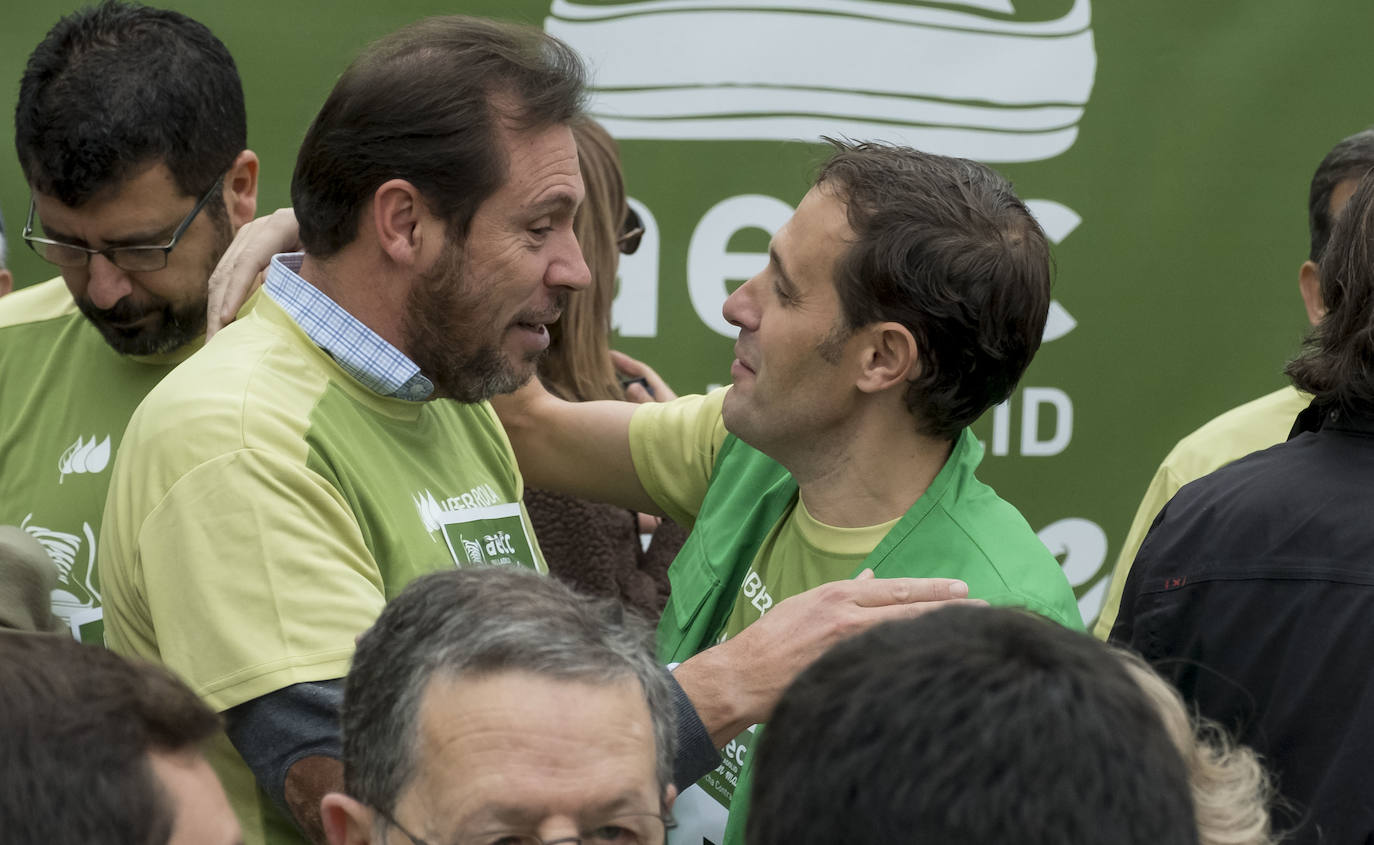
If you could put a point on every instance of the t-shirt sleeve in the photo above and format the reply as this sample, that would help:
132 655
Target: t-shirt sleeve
255 577
674 446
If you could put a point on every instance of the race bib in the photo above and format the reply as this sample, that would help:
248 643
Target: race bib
702 809
490 536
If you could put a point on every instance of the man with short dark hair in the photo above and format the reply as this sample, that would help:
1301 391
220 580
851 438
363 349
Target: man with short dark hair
1262 422
103 751
1253 592
130 130
905 297
496 702
969 727
276 490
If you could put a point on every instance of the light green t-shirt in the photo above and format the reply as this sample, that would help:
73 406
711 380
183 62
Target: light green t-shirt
265 507
65 398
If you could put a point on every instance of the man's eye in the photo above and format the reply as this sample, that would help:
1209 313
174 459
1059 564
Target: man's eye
613 835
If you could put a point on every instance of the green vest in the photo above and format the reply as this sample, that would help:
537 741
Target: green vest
749 492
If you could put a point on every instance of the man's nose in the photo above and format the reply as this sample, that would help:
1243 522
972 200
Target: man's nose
740 309
568 268
107 284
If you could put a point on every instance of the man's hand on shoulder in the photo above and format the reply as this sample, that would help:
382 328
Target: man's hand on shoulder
738 683
239 271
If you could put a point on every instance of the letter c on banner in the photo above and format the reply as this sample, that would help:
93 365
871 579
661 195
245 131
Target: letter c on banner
710 266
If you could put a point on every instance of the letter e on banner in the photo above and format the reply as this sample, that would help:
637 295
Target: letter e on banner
710 266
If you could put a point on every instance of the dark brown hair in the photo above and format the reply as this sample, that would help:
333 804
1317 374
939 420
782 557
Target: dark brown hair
1336 364
1352 157
78 723
115 87
944 247
420 105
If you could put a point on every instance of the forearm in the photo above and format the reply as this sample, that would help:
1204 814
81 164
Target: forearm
577 448
709 681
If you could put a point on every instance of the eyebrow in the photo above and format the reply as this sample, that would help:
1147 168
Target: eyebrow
620 805
561 202
157 237
782 271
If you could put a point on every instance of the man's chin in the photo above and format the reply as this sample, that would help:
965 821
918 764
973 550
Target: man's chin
157 337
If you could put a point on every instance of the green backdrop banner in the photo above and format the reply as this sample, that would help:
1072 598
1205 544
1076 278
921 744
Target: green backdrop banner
1165 147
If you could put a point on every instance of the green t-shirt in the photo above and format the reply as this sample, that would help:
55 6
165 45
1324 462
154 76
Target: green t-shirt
266 506
65 398
958 529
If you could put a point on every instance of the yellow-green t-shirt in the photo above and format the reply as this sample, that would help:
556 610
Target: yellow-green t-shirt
266 505
65 398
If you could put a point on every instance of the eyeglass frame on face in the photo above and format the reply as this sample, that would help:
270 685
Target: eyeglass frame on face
628 240
530 839
111 253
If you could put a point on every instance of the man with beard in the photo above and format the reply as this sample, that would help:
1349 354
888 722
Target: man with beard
131 133
278 488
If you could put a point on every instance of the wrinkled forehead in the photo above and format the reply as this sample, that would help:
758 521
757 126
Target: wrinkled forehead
512 748
145 204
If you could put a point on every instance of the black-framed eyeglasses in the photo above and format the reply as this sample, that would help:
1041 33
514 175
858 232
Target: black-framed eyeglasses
134 259
631 232
625 829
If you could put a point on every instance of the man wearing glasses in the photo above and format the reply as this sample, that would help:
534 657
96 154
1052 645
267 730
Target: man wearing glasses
495 706
131 133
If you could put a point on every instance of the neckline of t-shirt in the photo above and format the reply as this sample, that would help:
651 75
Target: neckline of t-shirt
833 539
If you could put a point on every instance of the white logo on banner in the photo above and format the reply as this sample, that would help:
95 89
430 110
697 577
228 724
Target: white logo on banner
966 82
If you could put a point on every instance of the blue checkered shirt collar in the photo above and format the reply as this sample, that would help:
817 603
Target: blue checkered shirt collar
361 352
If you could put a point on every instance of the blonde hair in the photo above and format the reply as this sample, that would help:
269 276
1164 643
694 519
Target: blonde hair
578 364
1231 790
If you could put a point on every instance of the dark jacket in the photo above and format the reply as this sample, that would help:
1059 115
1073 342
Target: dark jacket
1254 593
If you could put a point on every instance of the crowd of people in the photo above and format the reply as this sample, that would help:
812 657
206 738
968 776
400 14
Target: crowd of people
326 526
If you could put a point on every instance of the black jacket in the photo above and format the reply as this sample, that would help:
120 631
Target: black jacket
1254 593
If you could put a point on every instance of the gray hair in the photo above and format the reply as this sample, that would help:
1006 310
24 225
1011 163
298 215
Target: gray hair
476 621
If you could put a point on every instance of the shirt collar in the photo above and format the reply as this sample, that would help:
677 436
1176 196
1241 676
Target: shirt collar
361 352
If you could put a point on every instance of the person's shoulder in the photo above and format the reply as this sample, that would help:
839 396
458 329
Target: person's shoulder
43 302
248 381
1257 424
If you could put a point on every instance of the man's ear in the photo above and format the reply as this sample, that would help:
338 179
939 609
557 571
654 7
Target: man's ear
241 189
6 282
1310 286
346 821
669 796
405 229
890 357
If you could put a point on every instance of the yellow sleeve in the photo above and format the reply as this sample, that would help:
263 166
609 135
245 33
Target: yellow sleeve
1162 488
674 447
255 577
